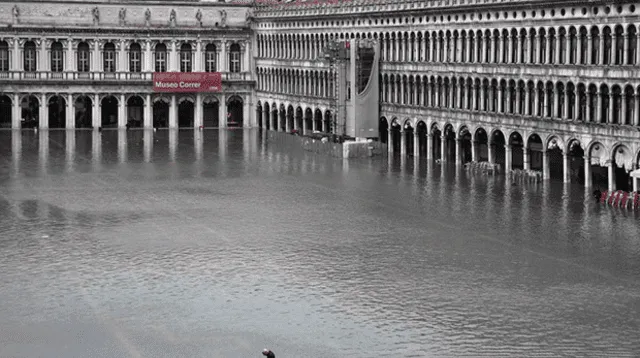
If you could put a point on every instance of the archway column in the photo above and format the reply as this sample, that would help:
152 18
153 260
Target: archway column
222 111
443 147
389 137
491 153
97 111
546 172
148 116
247 116
635 184
197 111
173 113
70 122
16 112
612 177
566 168
587 171
403 142
430 146
122 111
526 158
44 113
304 124
474 150
416 143
507 158
459 153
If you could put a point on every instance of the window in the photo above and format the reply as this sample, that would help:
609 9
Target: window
135 58
161 58
210 58
56 57
4 56
109 57
83 57
234 58
30 57
185 58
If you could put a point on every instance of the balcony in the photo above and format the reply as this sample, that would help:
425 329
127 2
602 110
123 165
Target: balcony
127 77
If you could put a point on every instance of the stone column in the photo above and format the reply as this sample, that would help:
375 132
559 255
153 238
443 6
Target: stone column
601 48
636 110
612 177
443 148
148 113
491 152
416 143
566 168
389 138
403 142
222 112
558 47
16 64
623 114
546 173
249 119
508 158
610 109
197 111
526 158
16 112
173 111
545 103
555 104
122 111
44 112
123 66
625 45
578 59
222 61
430 146
500 108
567 104
97 58
69 65
458 151
69 114
587 171
97 112
474 151
197 63
43 66
174 65
537 39
527 101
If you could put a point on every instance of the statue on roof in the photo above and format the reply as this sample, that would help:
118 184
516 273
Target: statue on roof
147 18
199 17
96 15
122 15
16 14
223 18
172 18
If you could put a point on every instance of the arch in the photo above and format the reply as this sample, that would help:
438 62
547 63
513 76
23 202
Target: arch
57 107
482 146
235 115
186 112
623 162
5 111
30 115
83 111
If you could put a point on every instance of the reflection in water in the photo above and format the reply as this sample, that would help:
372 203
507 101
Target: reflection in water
221 242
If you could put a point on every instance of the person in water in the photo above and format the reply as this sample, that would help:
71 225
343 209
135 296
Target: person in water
268 353
596 195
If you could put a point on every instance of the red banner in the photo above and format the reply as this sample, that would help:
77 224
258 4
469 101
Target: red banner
181 82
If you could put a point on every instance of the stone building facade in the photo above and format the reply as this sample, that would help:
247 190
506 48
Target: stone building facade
90 64
551 88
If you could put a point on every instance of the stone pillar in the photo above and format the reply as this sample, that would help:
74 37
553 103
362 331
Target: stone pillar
508 158
403 142
16 64
70 113
222 61
173 111
576 105
536 102
556 103
197 63
97 58
458 151
518 108
566 168
197 111
526 158
43 66
623 112
44 112
558 47
587 171
625 45
474 151
249 119
546 173
610 114
636 110
578 59
416 143
491 152
567 104
16 114
443 148
429 146
122 111
500 108
174 66
69 65
123 66
601 48
612 177
148 113
389 138
222 112
97 111
148 58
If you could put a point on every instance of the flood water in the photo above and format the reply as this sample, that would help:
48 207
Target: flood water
219 243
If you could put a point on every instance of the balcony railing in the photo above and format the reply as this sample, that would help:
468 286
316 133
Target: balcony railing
132 77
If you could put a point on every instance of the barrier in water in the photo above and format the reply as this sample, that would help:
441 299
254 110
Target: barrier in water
483 167
621 199
349 149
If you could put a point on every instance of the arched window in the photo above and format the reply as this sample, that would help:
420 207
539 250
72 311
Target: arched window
185 58
160 58
30 56
234 58
4 56
210 62
135 58
83 57
56 57
109 57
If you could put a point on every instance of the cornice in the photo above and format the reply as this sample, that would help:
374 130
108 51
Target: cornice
131 32
194 3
